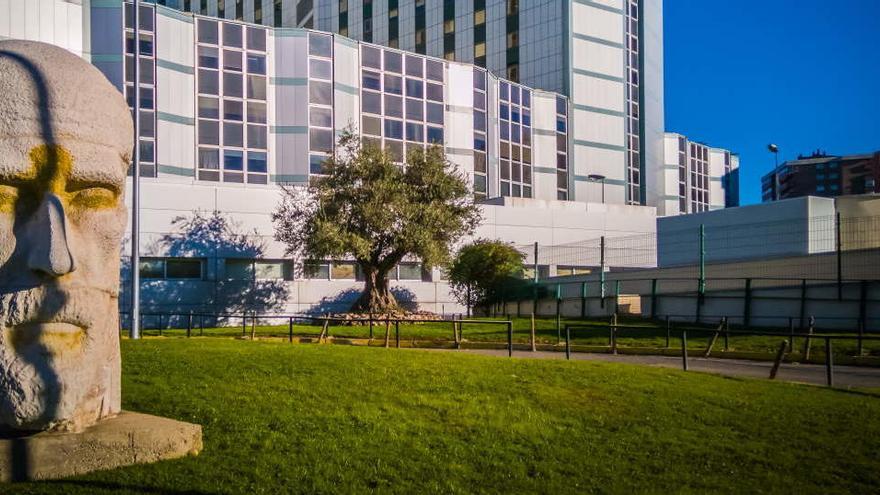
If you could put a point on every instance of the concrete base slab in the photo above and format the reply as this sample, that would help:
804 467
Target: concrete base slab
129 438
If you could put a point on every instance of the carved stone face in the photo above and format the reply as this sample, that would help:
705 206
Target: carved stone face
65 137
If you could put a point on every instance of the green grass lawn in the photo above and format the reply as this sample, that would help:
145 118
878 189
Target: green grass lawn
282 418
648 336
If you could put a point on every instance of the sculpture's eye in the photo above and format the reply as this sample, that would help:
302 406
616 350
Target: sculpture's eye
93 198
8 198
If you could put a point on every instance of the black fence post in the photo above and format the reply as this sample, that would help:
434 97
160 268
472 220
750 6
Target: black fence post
583 299
803 307
684 350
653 298
397 333
726 323
668 329
290 329
747 304
791 334
509 339
567 342
859 348
829 361
189 325
201 325
558 313
371 325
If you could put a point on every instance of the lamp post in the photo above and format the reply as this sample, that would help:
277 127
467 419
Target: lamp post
599 178
135 332
772 148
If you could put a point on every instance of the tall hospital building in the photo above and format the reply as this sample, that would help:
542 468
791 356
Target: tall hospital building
552 108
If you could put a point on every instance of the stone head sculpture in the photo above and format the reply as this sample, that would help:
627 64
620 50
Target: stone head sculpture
65 141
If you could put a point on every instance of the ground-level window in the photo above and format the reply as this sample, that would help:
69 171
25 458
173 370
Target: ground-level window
256 269
172 268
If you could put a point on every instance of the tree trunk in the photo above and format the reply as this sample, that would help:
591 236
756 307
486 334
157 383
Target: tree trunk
377 296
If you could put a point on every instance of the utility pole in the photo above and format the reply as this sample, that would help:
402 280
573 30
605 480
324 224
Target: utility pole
135 183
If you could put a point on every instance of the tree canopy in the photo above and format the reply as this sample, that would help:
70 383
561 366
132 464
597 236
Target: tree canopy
371 209
481 268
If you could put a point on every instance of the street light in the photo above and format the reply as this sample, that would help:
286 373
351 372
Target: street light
772 148
599 178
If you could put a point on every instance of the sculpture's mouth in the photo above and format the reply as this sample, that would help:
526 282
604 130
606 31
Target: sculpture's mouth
56 338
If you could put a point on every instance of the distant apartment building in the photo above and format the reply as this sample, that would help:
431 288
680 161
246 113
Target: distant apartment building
696 177
823 175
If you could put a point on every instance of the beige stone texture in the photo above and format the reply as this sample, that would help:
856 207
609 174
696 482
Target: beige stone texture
65 140
129 438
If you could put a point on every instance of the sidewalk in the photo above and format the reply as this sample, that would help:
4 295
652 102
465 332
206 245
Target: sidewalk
844 376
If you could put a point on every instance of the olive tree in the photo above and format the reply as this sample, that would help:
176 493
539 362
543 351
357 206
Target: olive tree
378 212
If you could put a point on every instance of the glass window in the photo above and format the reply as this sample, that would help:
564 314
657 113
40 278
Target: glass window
233 135
371 102
414 66
272 270
415 109
209 108
256 162
393 61
257 135
232 84
505 91
434 70
435 135
393 106
435 92
372 125
231 34
414 132
320 117
239 269
209 82
414 88
256 39
233 160
480 143
480 79
526 117
514 94
393 129
256 89
148 151
316 270
148 124
316 164
209 158
393 84
183 269
434 113
505 131
208 32
320 45
320 69
479 121
232 60
321 140
479 100
526 98
209 57
479 162
152 269
343 270
371 80
209 132
320 92
232 110
505 111
256 64
409 271
371 57
256 112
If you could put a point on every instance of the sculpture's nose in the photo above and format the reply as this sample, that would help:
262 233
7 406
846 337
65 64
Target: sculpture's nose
49 250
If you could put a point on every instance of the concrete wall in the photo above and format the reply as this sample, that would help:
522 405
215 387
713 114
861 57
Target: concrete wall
785 228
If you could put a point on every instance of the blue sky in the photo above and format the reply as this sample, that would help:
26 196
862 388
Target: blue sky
804 74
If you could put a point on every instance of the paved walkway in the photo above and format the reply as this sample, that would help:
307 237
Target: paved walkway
844 376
